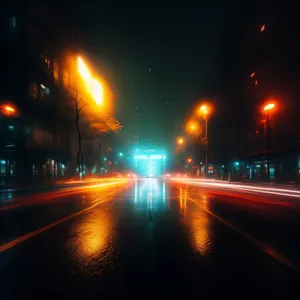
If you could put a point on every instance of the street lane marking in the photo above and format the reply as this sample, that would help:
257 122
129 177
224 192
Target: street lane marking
264 247
36 232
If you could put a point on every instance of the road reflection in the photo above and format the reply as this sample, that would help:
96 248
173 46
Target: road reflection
200 227
94 236
150 193
197 221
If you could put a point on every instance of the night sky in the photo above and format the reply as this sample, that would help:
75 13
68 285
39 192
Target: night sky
182 54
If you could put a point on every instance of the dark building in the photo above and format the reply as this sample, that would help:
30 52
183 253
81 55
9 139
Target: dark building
261 67
35 123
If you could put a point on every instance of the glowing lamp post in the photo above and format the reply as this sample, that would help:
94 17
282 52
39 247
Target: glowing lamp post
92 85
204 111
268 109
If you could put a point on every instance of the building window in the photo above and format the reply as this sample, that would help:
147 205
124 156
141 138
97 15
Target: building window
45 91
34 90
56 71
13 22
41 137
45 59
3 167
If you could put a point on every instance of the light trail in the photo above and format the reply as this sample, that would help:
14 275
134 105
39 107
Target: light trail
43 197
238 187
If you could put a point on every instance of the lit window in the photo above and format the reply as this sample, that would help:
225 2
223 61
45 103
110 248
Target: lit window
34 90
56 71
45 60
44 90
3 167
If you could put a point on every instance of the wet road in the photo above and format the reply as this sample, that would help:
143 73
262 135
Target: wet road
148 239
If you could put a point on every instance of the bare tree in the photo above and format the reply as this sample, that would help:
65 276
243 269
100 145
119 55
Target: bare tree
88 127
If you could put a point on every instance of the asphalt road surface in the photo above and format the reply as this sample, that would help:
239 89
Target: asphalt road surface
148 239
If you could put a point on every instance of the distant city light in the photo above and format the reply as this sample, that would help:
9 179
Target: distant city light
252 74
121 154
262 28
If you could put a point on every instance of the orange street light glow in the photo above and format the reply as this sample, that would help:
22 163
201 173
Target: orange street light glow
97 92
180 141
93 85
192 127
189 160
262 28
9 108
269 106
204 109
252 74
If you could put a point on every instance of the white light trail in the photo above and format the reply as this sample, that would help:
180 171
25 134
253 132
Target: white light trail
239 187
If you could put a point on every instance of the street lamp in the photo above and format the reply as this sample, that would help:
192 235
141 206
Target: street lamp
268 109
8 110
204 111
192 127
180 141
93 86
189 160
